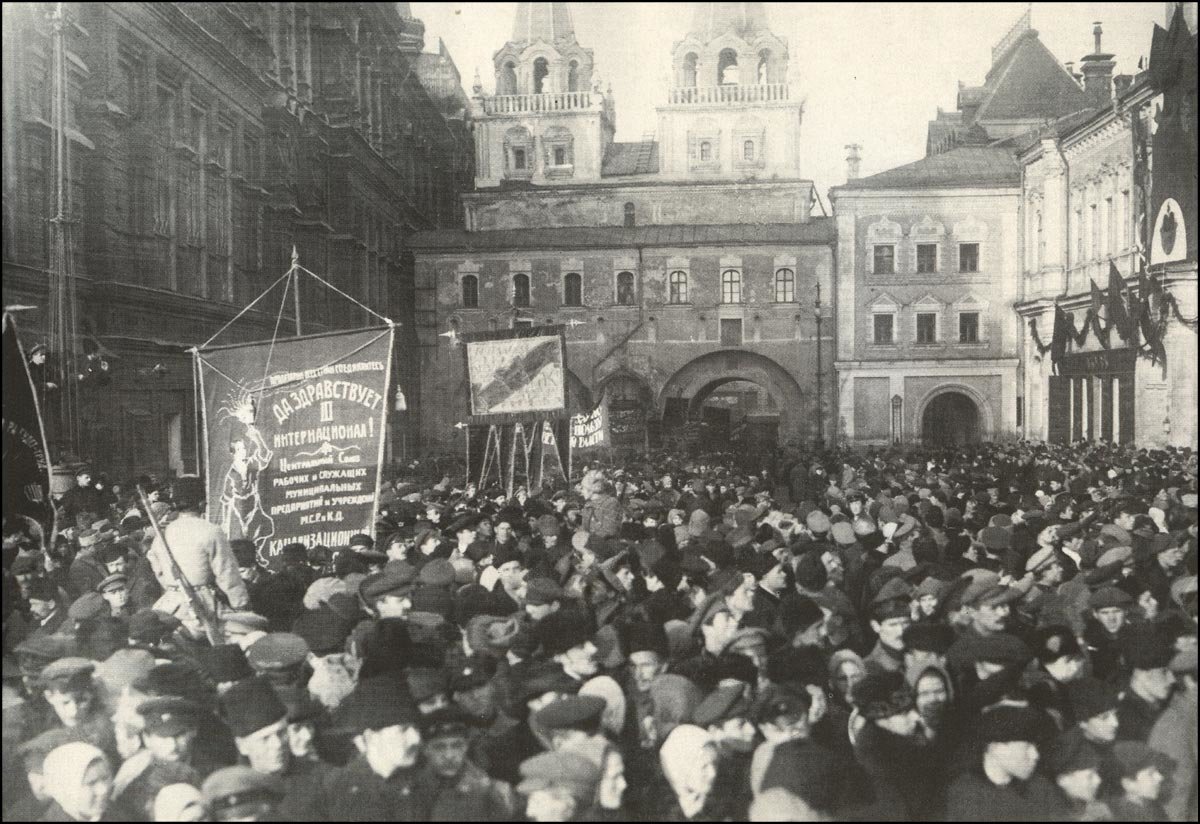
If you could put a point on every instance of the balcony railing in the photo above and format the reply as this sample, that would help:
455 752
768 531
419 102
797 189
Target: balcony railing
702 95
554 102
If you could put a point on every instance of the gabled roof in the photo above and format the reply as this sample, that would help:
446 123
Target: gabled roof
639 158
820 230
1029 82
964 166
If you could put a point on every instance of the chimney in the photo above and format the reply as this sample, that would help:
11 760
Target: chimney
1097 73
853 160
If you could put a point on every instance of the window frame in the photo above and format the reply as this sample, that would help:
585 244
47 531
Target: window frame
875 270
934 268
962 246
788 283
731 282
516 293
934 337
617 288
677 287
704 151
462 291
566 293
875 316
963 315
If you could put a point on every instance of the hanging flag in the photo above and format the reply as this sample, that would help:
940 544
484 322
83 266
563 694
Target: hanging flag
589 430
26 455
1058 343
1118 315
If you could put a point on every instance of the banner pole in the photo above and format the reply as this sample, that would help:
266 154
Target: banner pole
296 283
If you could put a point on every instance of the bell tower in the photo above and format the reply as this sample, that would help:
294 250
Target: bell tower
547 121
730 112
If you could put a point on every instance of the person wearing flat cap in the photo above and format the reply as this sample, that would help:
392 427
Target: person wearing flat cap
1075 768
1004 784
1061 662
1147 655
543 597
1143 782
115 591
902 771
170 725
1106 629
461 790
891 615
381 782
280 657
240 793
559 786
258 720
572 724
389 593
68 688
726 714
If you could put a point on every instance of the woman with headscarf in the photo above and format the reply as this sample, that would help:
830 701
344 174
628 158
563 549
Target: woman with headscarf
846 668
79 783
689 764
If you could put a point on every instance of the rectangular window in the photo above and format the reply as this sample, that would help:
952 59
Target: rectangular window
1095 218
968 327
968 257
1126 227
885 260
731 286
1110 219
1078 236
518 158
884 328
927 327
560 157
678 287
522 324
731 331
926 257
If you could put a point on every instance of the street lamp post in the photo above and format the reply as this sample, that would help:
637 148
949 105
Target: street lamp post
820 374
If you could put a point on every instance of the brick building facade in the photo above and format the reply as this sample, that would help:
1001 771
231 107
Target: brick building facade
680 264
206 141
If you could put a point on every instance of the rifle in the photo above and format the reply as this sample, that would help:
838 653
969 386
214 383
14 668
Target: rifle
205 616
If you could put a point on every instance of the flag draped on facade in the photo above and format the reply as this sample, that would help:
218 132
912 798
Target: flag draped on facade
26 456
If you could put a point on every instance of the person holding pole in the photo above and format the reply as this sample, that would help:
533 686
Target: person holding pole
198 550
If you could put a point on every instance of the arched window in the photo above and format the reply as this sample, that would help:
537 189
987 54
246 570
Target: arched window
518 151
541 69
630 215
785 286
626 295
689 70
573 289
677 281
727 68
506 83
705 151
573 76
470 292
731 286
520 290
764 66
748 150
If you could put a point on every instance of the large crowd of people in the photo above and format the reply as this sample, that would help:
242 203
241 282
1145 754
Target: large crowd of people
993 632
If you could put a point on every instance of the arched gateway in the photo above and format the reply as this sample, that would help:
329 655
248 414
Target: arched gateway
951 418
685 393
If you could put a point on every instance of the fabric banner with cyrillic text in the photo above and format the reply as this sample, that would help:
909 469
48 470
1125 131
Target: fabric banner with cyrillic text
294 432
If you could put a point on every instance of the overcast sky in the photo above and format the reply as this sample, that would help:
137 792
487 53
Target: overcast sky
872 73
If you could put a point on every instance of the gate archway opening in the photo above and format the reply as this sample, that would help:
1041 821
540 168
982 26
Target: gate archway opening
733 400
951 419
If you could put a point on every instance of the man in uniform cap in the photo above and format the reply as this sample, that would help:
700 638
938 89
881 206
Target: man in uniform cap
892 615
258 720
202 553
241 794
461 790
379 783
244 628
279 656
1147 655
558 786
542 598
115 591
572 724
1003 785
170 725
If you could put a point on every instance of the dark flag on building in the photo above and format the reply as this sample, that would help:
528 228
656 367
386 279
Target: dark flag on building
26 456
1118 315
1058 341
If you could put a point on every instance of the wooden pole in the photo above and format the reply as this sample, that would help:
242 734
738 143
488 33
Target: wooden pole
296 284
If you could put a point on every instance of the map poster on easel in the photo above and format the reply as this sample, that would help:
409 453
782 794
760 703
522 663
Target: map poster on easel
516 375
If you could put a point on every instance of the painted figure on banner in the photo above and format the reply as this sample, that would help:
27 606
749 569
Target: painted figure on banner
242 513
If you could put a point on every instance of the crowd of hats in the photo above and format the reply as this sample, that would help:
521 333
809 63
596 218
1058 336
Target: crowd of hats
989 566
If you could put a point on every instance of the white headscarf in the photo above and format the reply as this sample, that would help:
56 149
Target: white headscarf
174 800
603 686
65 768
679 756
